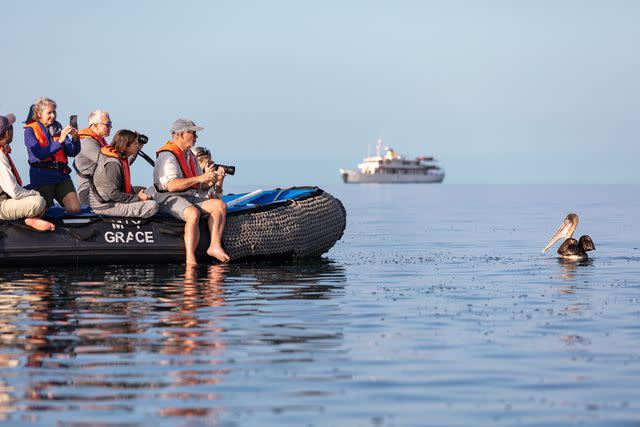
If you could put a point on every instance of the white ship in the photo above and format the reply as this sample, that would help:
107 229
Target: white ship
393 168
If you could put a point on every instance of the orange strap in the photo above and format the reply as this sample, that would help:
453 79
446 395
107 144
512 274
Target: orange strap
13 167
43 139
89 133
189 170
111 152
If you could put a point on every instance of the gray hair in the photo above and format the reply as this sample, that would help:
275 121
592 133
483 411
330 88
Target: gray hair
41 103
95 116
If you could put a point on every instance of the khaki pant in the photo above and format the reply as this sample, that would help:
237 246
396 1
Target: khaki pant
27 207
139 209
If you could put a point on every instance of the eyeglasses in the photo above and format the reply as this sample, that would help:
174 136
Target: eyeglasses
108 124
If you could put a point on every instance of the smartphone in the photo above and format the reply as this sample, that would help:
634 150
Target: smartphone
73 121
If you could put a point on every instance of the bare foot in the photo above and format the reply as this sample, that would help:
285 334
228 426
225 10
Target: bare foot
218 253
39 224
191 262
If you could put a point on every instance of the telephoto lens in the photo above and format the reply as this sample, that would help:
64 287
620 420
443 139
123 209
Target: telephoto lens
228 170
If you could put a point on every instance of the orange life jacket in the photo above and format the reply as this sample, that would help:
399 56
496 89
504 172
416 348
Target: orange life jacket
89 133
124 161
44 139
189 170
13 167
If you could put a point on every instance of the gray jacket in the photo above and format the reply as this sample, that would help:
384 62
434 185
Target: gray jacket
85 165
108 181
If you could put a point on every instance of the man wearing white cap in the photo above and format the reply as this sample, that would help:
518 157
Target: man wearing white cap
17 202
180 180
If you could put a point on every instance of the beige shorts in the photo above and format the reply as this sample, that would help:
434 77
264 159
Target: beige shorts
175 205
27 207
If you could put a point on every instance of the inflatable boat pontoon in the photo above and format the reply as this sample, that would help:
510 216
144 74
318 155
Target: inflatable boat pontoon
298 222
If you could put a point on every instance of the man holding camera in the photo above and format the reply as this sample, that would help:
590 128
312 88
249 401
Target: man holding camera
181 181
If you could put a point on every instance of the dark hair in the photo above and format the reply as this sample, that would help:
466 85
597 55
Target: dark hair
122 140
201 151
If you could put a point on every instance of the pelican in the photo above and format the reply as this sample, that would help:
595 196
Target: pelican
571 248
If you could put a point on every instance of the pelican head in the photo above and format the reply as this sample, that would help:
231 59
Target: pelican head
565 230
586 243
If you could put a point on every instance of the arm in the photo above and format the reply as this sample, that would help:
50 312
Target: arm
39 152
71 147
8 181
113 183
168 176
90 149
182 184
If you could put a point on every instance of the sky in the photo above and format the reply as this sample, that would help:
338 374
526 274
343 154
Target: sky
506 92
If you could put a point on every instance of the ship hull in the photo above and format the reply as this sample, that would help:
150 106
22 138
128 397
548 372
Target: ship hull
353 177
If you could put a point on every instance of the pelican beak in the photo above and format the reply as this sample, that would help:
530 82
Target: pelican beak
564 231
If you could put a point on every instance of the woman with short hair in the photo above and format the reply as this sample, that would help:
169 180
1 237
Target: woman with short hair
111 190
49 172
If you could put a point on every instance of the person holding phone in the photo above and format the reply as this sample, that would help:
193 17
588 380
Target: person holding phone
111 190
50 172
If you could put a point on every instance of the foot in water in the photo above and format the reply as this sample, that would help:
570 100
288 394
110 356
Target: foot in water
218 253
39 224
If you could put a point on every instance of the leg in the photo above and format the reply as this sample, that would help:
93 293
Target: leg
67 196
71 203
217 211
191 216
129 210
48 192
30 208
180 208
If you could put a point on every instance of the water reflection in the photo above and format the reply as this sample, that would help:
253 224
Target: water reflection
166 339
569 268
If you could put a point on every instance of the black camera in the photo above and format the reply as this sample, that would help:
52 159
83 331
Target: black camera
142 139
228 170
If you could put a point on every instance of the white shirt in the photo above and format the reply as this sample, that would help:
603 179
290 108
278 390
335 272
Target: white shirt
167 169
9 183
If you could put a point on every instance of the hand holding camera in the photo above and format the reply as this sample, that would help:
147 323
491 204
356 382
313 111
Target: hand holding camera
208 175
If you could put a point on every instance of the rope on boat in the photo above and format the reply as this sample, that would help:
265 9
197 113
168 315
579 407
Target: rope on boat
306 228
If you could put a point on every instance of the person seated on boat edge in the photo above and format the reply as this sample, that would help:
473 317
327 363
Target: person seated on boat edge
111 190
203 155
178 178
17 202
92 139
49 172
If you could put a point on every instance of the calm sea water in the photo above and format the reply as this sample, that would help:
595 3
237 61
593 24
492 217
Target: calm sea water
436 308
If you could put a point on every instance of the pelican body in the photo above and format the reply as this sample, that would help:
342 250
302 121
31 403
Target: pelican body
571 248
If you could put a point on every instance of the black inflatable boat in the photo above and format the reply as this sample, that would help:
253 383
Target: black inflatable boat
298 222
